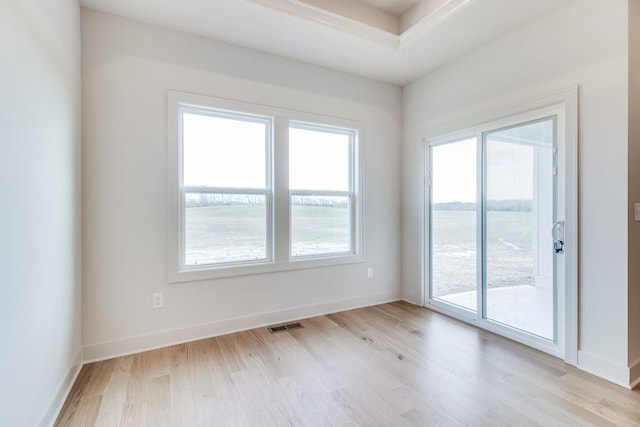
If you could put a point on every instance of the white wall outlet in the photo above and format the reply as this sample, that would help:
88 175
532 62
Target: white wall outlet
370 273
157 300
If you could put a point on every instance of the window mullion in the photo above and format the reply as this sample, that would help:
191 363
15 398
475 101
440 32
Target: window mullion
281 229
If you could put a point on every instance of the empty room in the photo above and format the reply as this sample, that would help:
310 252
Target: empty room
320 212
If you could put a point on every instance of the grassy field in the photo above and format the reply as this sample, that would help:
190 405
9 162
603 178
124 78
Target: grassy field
225 233
319 230
238 232
509 250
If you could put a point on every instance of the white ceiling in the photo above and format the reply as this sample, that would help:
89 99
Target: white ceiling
342 44
392 7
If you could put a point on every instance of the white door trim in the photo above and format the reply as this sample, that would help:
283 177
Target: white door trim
567 99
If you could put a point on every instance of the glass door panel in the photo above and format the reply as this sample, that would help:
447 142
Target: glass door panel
518 217
453 228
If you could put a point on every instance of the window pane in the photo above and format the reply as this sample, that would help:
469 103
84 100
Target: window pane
318 160
223 228
223 152
453 223
519 214
320 225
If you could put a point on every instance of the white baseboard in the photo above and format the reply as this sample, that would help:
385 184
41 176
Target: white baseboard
408 301
634 374
603 368
54 408
137 344
411 298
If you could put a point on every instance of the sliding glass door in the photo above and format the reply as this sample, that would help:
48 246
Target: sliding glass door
518 217
491 215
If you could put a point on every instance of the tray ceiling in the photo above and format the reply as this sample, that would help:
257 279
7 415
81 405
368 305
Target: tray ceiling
392 7
395 41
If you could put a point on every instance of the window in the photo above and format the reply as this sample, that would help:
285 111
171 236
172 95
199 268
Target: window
321 189
225 187
257 189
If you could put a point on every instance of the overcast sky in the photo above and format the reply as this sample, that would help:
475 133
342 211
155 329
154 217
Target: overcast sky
220 152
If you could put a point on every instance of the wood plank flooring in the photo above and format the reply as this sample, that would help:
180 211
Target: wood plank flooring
389 365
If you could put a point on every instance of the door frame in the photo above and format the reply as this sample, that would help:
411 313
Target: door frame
567 101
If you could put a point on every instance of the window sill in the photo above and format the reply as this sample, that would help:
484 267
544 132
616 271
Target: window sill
210 273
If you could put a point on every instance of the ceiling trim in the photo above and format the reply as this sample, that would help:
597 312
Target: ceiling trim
334 20
431 21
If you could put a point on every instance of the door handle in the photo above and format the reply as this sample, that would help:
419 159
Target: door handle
557 233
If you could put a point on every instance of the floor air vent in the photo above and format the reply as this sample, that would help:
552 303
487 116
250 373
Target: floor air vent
282 328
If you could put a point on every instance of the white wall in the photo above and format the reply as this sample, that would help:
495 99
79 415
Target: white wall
127 69
634 189
39 207
582 44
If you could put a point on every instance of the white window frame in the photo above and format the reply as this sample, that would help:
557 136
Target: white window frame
266 191
277 190
350 193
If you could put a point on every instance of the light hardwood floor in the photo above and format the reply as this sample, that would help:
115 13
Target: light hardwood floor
389 365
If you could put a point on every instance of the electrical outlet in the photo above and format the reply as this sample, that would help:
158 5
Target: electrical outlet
370 273
157 300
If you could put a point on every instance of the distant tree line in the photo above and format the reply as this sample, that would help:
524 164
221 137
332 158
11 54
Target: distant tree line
492 205
329 202
202 200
